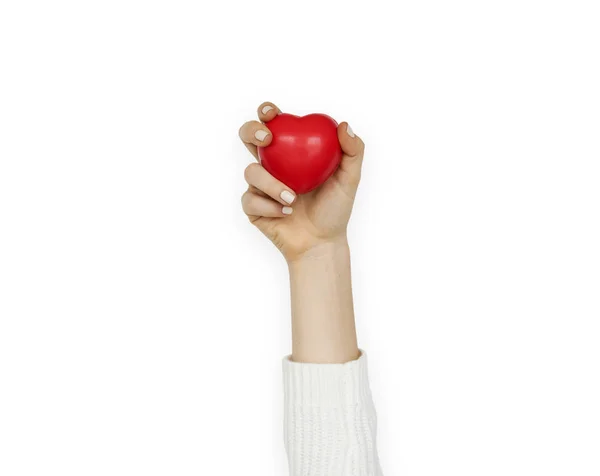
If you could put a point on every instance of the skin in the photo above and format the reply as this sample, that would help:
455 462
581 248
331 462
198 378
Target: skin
311 234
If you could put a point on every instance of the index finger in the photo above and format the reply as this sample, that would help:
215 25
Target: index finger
267 111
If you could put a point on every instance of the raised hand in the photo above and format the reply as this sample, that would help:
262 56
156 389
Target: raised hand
298 225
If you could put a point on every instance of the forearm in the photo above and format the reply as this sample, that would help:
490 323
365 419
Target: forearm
330 420
323 328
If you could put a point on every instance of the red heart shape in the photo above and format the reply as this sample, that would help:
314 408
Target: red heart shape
304 152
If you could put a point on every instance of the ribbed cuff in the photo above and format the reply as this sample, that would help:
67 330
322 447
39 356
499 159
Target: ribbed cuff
327 385
330 424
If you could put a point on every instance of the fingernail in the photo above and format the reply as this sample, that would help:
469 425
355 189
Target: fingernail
287 197
266 109
287 210
260 135
349 130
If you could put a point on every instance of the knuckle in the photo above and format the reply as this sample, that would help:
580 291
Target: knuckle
246 200
242 130
251 171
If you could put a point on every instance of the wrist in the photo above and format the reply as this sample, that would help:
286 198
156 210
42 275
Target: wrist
325 250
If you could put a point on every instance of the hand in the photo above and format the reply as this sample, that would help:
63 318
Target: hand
298 225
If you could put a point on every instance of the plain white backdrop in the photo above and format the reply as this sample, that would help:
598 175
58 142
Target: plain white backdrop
143 319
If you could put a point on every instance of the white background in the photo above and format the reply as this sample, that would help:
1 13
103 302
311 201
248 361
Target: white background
142 318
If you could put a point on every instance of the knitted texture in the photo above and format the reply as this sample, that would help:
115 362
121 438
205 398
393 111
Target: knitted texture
330 423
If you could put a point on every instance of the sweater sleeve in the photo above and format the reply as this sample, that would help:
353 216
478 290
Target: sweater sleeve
330 423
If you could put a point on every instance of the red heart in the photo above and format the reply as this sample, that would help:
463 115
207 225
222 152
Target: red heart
304 152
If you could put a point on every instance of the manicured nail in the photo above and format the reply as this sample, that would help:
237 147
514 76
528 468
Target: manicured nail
349 130
287 197
260 135
266 109
287 210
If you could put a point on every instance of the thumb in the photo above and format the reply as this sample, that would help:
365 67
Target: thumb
353 148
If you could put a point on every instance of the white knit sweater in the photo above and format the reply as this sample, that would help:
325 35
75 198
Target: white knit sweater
330 423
